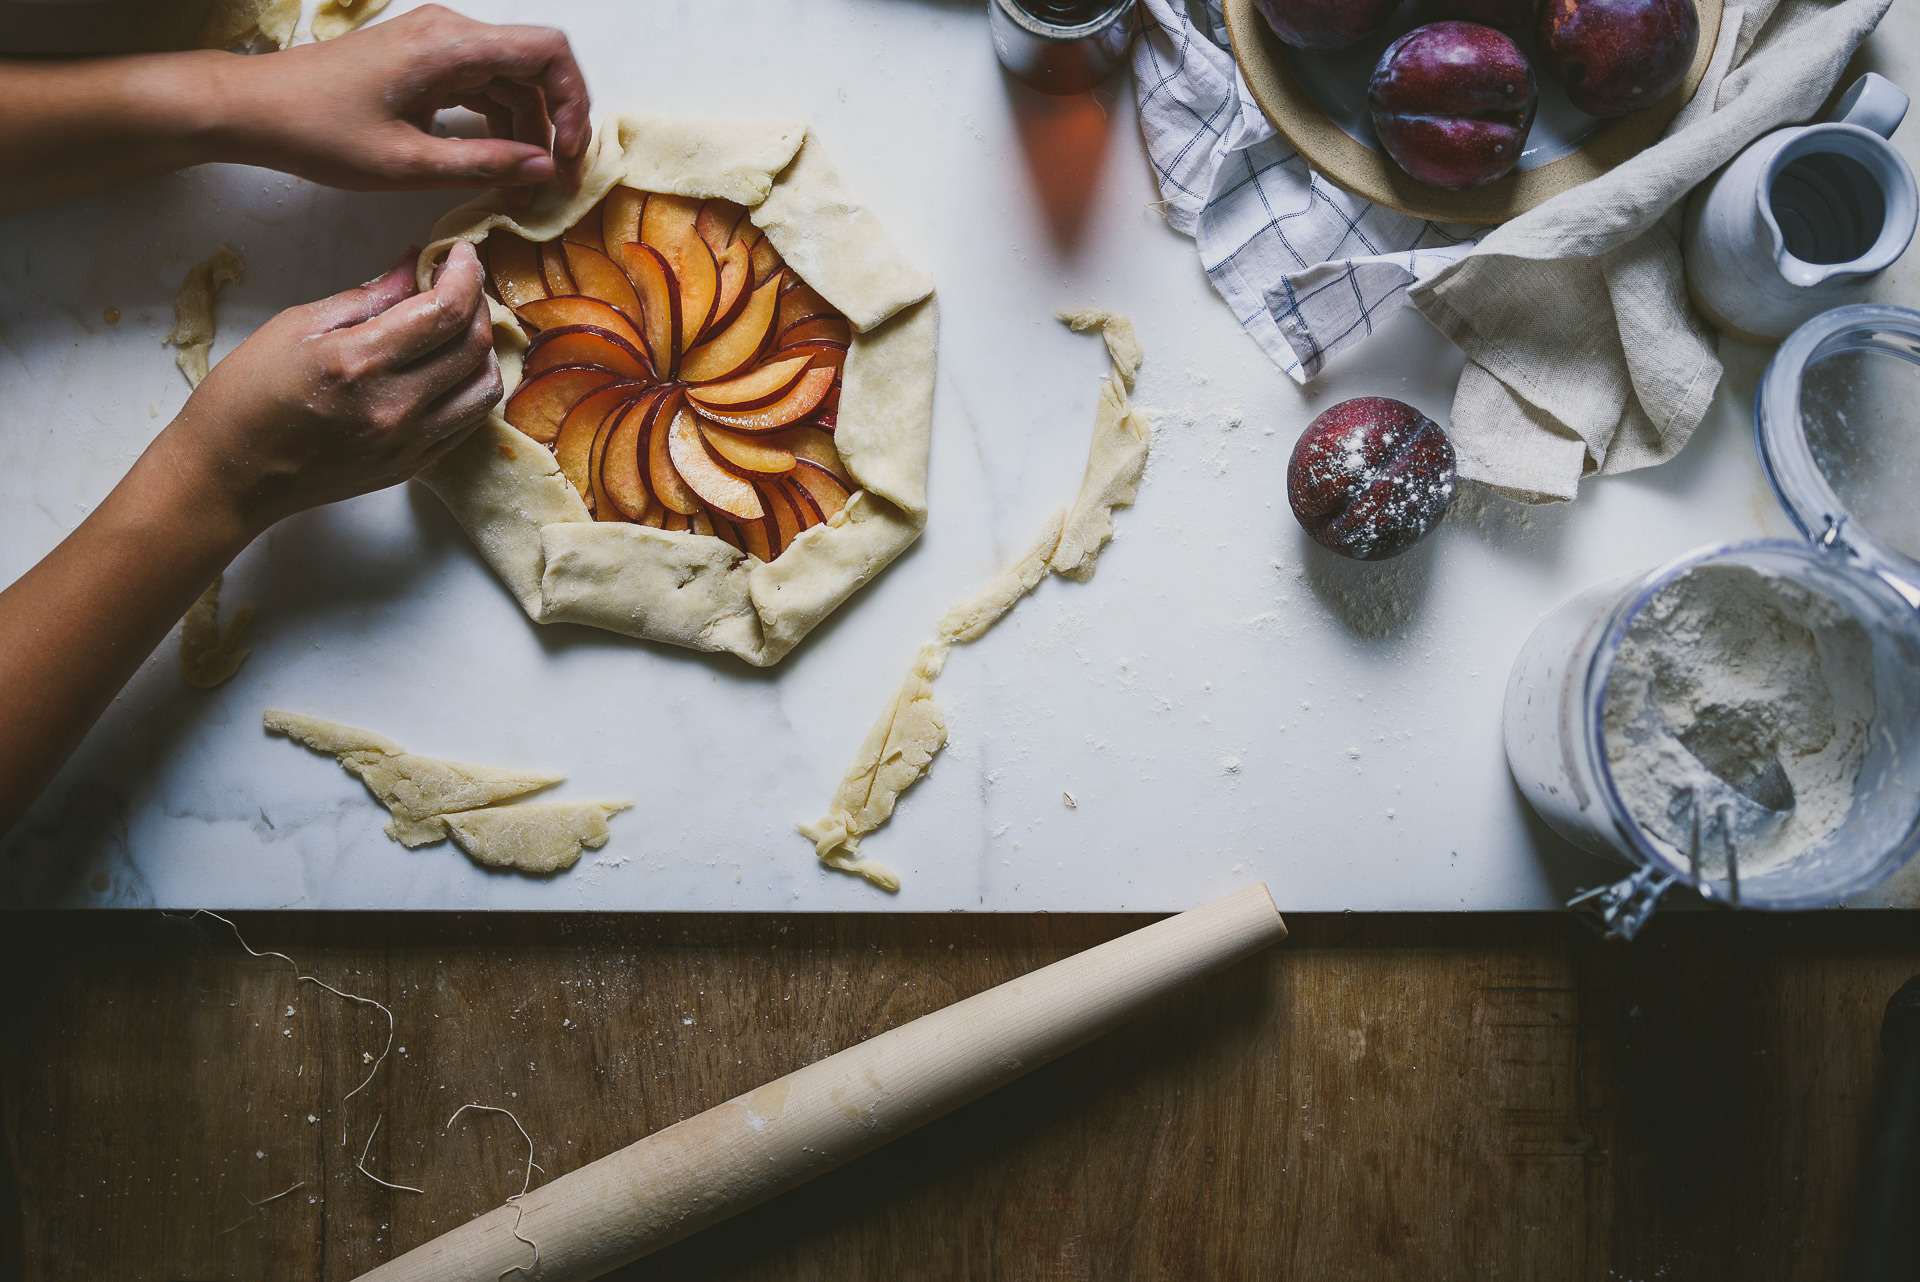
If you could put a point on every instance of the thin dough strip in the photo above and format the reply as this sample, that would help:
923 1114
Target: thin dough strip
899 750
209 657
192 330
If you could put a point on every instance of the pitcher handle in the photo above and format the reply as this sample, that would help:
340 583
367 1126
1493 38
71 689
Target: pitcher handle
1872 102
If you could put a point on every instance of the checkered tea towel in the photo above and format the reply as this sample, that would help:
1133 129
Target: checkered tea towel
1583 353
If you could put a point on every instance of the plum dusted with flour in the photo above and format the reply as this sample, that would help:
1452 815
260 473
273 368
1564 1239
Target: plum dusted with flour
1452 103
1369 477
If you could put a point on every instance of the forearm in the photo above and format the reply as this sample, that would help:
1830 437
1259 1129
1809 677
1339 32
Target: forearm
78 625
70 128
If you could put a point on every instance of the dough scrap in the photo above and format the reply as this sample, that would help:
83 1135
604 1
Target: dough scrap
249 25
207 656
337 17
1123 345
969 620
1115 464
327 736
687 589
419 792
192 330
897 752
541 837
900 748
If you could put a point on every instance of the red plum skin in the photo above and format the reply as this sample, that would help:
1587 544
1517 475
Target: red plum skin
1370 477
1325 25
1452 103
1493 13
1617 56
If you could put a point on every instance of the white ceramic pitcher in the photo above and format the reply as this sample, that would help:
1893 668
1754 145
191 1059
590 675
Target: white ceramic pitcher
1803 219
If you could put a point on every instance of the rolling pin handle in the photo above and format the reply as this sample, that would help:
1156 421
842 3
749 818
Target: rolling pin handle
1886 1227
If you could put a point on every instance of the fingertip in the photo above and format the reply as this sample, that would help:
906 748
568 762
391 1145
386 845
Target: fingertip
537 168
441 268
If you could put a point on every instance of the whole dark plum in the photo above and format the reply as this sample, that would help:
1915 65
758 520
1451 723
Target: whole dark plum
1452 103
1370 477
1617 56
1494 13
1325 24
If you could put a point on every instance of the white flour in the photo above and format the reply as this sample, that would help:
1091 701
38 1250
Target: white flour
1748 668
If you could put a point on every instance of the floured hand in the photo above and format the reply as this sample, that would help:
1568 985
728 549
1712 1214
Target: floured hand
341 397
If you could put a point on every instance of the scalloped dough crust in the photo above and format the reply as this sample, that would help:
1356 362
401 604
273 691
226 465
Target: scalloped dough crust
688 589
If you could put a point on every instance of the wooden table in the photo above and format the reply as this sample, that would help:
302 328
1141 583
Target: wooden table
1405 1097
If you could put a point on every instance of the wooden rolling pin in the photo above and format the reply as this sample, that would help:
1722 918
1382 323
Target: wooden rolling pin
694 1173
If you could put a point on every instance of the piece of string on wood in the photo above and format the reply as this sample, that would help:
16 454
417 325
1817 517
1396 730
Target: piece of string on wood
525 1184
261 1204
315 980
361 1165
302 976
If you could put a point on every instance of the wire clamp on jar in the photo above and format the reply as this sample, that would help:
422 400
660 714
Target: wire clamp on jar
1620 910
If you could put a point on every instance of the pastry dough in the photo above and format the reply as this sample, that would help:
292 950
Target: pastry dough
900 748
542 837
192 329
418 791
337 17
249 24
208 658
687 589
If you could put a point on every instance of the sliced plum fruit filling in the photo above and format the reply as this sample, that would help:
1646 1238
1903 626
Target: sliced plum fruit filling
684 377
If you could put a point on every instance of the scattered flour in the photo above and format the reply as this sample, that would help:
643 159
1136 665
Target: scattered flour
1748 668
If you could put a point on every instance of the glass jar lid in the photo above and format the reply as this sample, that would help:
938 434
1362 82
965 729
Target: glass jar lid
1838 421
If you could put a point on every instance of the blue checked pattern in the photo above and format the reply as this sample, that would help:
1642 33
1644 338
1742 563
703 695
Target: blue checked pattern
1307 268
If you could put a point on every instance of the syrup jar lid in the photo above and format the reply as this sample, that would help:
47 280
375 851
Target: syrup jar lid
1838 421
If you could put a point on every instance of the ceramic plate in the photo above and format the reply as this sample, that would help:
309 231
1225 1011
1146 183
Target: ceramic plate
1318 102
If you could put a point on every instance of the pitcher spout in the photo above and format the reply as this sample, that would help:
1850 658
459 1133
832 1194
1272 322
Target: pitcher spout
1804 275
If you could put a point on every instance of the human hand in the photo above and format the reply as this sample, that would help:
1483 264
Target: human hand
341 397
357 112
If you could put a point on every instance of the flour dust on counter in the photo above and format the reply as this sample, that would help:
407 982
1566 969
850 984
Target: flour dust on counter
900 748
208 656
192 330
431 800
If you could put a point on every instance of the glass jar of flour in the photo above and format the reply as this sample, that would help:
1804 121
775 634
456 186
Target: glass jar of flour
1745 719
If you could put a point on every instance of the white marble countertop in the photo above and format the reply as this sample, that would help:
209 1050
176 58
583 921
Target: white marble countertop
1224 701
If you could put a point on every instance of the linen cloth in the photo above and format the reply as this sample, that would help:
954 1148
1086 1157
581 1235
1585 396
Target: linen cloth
1583 353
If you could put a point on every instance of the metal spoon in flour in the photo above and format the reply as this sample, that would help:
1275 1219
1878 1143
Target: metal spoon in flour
1740 804
1766 787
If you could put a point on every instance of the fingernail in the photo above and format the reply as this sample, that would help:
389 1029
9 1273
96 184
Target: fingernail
534 169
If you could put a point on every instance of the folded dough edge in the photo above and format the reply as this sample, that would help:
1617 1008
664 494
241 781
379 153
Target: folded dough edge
531 527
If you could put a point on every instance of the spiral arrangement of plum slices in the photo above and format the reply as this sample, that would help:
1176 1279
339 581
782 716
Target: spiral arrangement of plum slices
684 377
